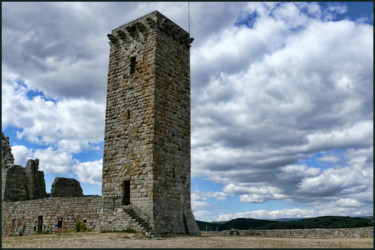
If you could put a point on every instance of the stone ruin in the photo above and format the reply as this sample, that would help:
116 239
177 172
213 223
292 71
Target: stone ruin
66 187
146 161
27 183
19 183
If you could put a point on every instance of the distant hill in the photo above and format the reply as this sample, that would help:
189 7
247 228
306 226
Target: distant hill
317 222
289 219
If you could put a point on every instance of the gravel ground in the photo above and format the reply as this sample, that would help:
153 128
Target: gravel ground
127 240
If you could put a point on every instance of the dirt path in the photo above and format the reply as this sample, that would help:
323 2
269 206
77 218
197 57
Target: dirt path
125 240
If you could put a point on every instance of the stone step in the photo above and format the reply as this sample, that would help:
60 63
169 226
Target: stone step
141 222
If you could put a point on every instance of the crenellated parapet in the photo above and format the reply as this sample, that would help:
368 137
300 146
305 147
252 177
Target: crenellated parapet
143 26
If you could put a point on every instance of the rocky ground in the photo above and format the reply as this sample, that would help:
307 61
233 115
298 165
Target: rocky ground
129 240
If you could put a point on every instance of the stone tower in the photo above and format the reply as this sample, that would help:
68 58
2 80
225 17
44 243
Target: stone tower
146 163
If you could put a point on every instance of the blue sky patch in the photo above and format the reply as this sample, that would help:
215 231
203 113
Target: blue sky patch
324 160
247 20
355 11
12 131
204 185
31 93
298 28
91 155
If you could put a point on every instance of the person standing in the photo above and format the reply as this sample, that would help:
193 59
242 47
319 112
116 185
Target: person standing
59 225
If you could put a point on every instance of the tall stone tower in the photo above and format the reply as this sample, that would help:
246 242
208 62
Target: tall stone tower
146 161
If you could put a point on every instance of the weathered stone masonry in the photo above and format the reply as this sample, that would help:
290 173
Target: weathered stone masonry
18 183
147 134
146 162
28 217
66 187
360 232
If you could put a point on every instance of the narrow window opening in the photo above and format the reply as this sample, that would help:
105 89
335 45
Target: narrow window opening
128 114
132 65
126 193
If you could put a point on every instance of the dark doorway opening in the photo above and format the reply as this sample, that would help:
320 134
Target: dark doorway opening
40 223
126 193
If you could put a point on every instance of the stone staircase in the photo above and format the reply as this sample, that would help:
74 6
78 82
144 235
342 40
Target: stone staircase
142 223
138 219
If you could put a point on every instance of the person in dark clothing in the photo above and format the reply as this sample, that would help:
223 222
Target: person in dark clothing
59 225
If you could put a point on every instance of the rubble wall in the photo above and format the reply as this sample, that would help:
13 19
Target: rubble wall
360 232
19 183
15 184
66 187
28 217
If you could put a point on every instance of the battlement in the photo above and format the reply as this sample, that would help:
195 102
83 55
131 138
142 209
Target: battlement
146 24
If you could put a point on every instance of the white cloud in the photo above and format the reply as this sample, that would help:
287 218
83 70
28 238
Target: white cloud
297 171
203 214
65 127
306 92
347 202
200 200
21 154
256 194
54 161
329 158
202 196
90 172
75 121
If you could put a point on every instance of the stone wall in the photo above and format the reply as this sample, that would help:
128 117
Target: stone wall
20 183
15 184
7 160
24 217
29 217
361 232
172 131
128 148
7 156
66 187
36 184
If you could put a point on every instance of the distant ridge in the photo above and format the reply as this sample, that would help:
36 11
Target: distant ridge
288 223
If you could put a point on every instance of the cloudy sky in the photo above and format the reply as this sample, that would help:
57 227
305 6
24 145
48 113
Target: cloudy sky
282 100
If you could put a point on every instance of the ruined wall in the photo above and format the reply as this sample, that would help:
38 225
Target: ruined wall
15 184
23 217
29 217
360 232
147 132
36 185
66 187
23 183
7 160
7 156
20 183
